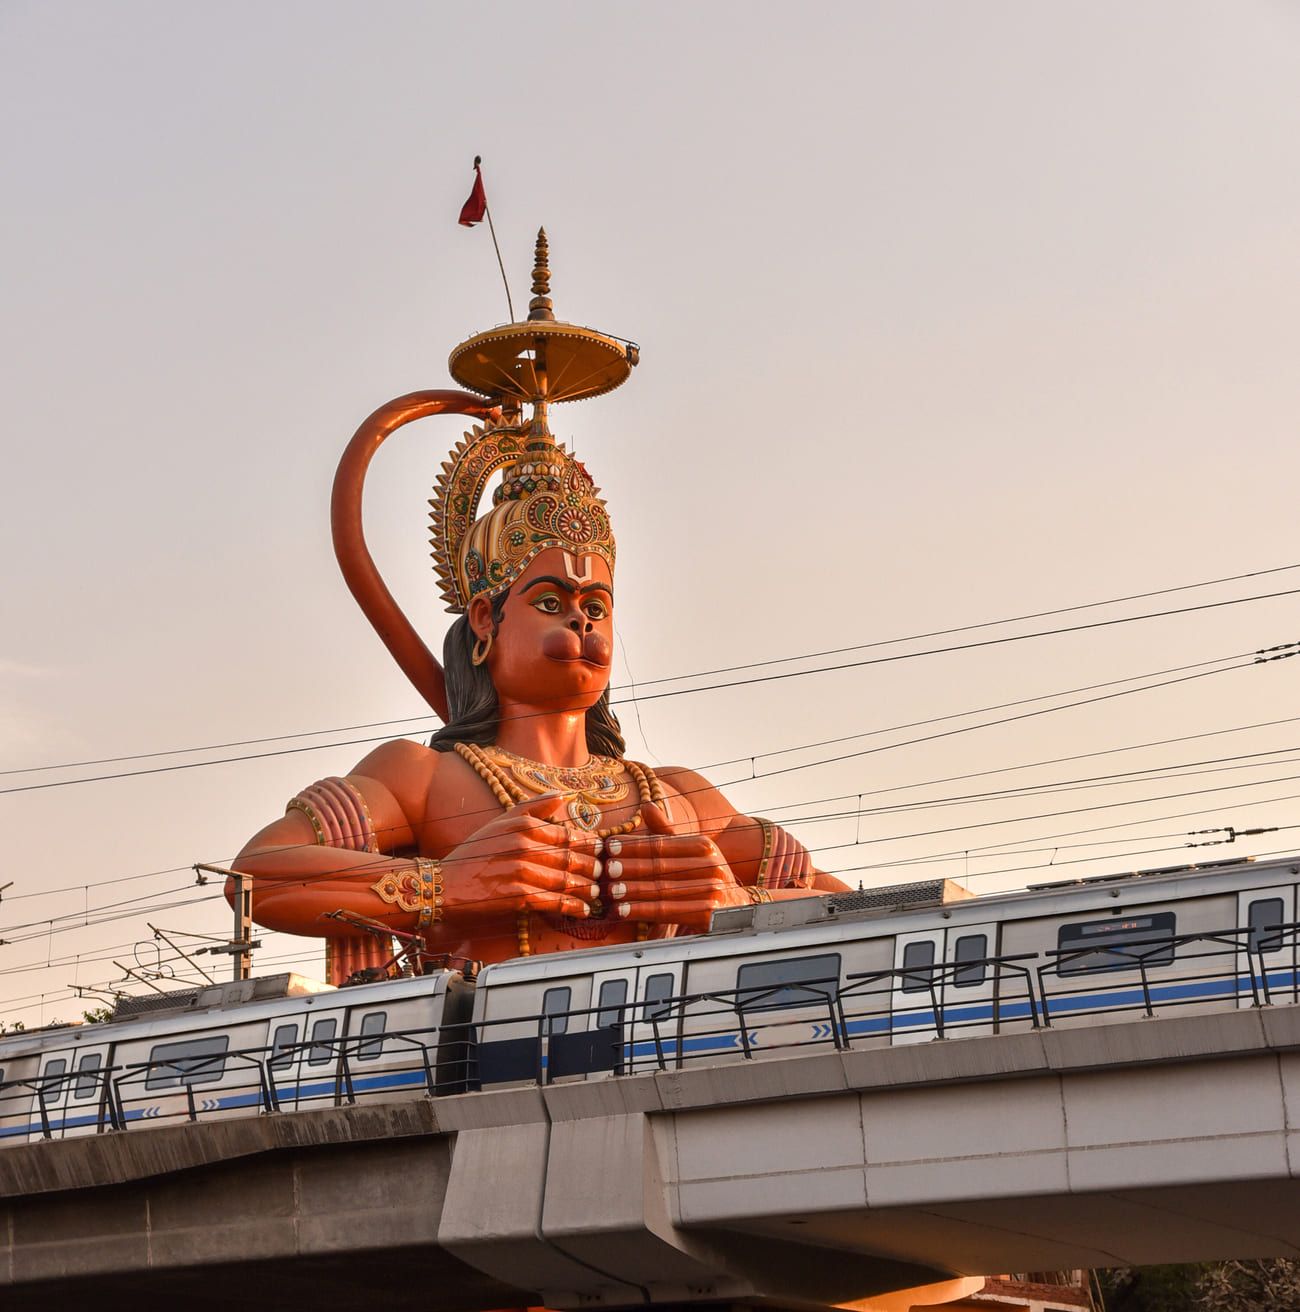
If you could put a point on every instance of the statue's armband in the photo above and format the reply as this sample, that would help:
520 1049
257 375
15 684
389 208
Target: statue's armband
339 814
785 862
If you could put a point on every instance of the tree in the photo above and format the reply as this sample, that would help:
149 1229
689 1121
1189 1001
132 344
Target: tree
1247 1286
1250 1286
1150 1288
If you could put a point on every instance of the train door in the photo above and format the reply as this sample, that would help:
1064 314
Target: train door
918 986
656 1018
285 1059
945 981
1267 952
613 994
387 1053
52 1092
970 980
85 1104
312 1073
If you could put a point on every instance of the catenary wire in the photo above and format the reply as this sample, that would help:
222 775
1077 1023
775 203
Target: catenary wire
955 715
283 957
678 692
678 678
48 927
790 769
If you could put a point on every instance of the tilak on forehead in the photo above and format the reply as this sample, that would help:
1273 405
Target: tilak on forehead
546 499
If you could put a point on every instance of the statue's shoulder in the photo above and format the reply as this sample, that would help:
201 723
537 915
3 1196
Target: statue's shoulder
404 768
707 803
399 758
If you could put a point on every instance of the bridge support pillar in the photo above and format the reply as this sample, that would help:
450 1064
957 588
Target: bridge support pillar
581 1210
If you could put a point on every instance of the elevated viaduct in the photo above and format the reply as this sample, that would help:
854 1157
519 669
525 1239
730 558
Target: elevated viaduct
809 1181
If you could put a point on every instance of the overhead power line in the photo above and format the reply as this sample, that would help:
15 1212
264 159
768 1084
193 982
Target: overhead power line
676 692
986 624
677 678
1204 666
46 927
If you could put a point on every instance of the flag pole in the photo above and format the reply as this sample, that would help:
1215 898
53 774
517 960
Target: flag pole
487 209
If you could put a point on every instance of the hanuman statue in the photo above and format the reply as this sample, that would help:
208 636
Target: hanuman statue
521 827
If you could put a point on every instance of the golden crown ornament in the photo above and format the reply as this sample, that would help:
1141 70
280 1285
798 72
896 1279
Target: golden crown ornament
546 497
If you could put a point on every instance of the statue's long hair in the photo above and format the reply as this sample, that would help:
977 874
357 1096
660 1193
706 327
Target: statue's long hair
473 707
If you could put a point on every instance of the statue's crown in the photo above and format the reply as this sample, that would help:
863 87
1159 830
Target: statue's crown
546 497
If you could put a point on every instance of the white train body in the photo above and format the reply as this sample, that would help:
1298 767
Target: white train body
927 962
307 1045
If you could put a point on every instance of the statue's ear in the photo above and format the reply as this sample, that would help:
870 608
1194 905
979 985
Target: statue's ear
480 618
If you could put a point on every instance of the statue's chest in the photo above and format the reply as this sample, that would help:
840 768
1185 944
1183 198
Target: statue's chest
593 801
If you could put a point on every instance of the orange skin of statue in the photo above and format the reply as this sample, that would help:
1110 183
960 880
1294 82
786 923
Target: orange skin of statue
550 661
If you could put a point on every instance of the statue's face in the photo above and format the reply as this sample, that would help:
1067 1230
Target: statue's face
554 645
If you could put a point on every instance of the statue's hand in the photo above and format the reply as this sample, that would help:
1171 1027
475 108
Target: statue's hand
663 877
525 860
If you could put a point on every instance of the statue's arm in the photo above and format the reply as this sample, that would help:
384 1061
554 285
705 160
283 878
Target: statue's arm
754 848
297 879
523 859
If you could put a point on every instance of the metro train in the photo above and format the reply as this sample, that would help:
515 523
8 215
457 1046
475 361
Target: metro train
906 964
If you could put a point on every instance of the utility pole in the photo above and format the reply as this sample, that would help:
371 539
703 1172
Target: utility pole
242 943
242 961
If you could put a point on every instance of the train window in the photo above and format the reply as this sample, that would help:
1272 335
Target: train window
658 991
919 959
1264 917
973 948
322 1038
555 1005
612 999
282 1042
373 1024
52 1084
795 982
192 1061
1121 943
87 1080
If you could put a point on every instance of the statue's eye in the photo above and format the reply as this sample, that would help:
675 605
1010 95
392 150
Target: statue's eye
548 603
595 609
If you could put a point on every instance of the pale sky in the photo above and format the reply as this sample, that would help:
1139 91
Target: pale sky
948 313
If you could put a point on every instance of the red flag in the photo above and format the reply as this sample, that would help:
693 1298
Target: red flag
475 208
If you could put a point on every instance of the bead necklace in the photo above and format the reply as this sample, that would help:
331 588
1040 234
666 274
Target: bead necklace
587 785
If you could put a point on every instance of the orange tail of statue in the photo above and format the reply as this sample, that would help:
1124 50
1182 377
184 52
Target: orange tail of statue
359 570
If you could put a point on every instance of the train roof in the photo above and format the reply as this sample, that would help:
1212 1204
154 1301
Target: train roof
270 995
905 906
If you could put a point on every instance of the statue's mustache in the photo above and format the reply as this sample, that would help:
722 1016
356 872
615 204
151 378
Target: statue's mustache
566 645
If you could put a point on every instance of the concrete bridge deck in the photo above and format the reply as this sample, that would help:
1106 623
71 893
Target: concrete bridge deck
808 1181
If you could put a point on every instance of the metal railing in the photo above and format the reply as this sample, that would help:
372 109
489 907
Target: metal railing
1245 949
275 1075
988 995
706 1027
